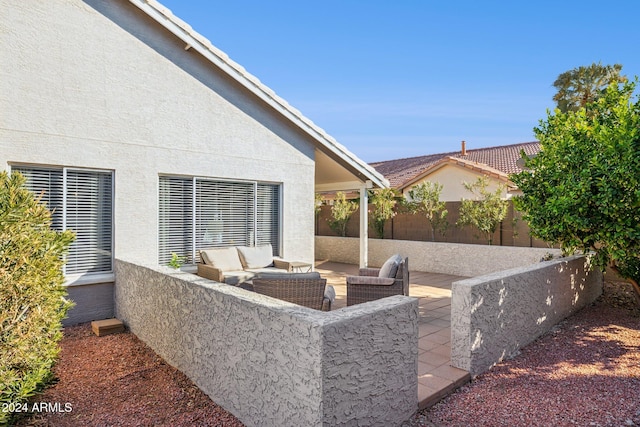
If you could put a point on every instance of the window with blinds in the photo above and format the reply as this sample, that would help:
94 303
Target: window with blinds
175 218
200 213
81 201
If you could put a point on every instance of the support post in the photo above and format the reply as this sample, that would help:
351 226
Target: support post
364 225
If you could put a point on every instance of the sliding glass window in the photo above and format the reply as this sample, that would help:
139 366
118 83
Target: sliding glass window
200 213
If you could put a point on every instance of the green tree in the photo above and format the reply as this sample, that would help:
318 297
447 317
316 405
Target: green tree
486 211
425 200
582 85
32 303
384 201
582 190
341 212
318 203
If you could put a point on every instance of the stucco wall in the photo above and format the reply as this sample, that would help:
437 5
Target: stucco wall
272 363
452 178
447 258
97 84
492 316
93 302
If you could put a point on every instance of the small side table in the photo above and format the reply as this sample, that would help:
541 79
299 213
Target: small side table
300 267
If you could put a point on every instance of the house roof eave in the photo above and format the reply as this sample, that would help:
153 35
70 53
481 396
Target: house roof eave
458 162
194 40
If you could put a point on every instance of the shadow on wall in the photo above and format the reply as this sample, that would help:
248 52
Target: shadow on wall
493 316
132 20
554 368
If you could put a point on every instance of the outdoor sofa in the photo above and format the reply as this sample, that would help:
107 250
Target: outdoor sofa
239 264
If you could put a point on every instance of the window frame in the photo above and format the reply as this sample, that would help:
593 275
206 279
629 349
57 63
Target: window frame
195 243
87 277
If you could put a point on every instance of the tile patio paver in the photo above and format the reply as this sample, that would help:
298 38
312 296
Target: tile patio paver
436 377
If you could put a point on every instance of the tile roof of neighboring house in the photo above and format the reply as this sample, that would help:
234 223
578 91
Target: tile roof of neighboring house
194 40
503 159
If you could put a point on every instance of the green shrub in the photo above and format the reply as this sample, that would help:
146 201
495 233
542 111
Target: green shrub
486 211
425 200
341 212
32 298
383 203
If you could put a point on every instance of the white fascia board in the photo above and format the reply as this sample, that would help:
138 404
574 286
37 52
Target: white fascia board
343 186
194 40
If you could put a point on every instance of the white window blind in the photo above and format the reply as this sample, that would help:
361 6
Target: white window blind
81 201
200 213
47 185
224 214
268 215
175 218
89 212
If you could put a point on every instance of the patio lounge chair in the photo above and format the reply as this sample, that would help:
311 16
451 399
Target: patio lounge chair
375 283
307 289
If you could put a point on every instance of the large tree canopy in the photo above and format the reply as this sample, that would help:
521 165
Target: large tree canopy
585 84
583 189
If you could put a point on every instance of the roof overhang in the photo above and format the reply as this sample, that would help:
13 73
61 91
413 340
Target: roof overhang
331 157
451 161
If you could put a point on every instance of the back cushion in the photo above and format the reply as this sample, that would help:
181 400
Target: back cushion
281 276
225 259
390 267
256 257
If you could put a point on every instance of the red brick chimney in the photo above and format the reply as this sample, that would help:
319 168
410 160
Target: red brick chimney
464 148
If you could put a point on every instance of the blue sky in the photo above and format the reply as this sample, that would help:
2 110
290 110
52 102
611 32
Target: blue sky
400 79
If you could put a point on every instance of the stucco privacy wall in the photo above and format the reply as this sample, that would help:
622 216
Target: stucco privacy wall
272 363
492 316
447 258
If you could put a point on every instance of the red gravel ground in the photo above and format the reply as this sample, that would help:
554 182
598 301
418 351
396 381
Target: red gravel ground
586 372
116 380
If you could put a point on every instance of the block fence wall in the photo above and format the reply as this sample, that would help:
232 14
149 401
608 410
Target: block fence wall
513 231
492 316
272 363
434 257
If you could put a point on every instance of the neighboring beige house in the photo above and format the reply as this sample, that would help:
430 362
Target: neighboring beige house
453 168
146 140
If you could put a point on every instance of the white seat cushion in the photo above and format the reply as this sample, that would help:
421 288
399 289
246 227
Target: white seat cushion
256 257
225 259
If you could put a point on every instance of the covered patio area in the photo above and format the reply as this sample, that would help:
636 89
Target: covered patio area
436 377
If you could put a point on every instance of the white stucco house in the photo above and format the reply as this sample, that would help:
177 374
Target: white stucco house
452 173
146 140
452 169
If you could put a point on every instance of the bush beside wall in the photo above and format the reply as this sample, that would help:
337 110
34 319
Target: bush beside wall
32 299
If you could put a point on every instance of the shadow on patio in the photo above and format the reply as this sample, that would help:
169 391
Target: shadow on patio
436 377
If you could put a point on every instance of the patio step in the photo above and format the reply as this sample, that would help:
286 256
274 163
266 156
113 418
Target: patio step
107 326
427 396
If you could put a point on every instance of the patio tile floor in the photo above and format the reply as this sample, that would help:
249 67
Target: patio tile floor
436 377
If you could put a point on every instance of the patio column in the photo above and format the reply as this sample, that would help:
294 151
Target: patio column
364 225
